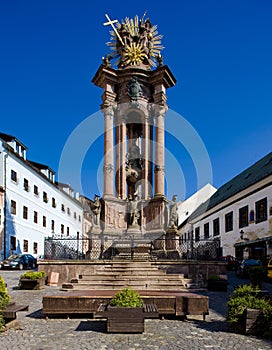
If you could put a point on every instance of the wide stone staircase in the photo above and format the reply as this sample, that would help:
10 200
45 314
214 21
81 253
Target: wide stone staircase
137 275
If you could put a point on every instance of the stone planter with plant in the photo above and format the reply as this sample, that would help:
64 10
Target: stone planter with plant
247 312
32 280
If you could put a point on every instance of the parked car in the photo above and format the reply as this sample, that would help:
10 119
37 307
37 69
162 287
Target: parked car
269 269
21 261
245 265
40 257
231 262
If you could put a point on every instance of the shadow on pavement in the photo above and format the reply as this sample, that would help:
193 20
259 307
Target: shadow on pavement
94 326
213 326
36 314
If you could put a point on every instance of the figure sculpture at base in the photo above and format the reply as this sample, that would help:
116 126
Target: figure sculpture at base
96 209
173 217
134 215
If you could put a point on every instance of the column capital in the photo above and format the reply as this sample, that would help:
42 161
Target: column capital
159 111
109 111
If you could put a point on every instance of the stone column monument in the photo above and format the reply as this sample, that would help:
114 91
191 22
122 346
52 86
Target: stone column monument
134 83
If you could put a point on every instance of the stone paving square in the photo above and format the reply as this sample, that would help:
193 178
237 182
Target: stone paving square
33 332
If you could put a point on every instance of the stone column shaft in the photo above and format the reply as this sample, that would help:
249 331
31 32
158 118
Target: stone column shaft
108 153
150 160
159 156
123 161
118 160
145 156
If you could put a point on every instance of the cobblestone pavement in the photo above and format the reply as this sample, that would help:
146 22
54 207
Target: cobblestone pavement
33 332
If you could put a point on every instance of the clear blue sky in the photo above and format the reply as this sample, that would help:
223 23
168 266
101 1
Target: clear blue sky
219 51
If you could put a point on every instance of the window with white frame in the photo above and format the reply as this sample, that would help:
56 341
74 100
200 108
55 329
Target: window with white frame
216 227
36 190
25 245
243 216
44 221
25 212
13 176
53 225
261 210
206 230
229 222
35 217
13 207
45 197
26 185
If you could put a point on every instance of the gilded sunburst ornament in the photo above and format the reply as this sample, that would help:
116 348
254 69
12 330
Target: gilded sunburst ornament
134 42
134 54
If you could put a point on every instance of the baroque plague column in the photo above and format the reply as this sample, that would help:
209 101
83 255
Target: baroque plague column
134 82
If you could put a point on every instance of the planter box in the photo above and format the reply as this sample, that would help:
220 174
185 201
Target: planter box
219 286
32 284
251 322
125 319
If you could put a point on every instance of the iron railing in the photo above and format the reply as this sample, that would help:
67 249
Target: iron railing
106 248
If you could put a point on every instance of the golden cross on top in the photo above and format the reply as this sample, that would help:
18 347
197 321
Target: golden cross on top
111 23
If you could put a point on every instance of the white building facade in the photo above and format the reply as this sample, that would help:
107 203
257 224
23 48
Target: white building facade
238 215
35 206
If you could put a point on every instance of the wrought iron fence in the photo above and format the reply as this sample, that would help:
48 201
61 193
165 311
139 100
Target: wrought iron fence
107 248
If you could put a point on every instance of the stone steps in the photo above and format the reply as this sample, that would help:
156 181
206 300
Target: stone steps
137 275
130 282
128 273
112 279
115 277
133 266
129 270
119 286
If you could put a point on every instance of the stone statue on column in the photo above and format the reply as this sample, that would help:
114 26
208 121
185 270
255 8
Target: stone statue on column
173 217
96 209
134 212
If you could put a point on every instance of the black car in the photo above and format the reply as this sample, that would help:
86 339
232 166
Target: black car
22 261
245 265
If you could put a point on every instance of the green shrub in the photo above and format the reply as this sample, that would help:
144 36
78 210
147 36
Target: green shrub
246 296
4 300
256 275
32 275
127 298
